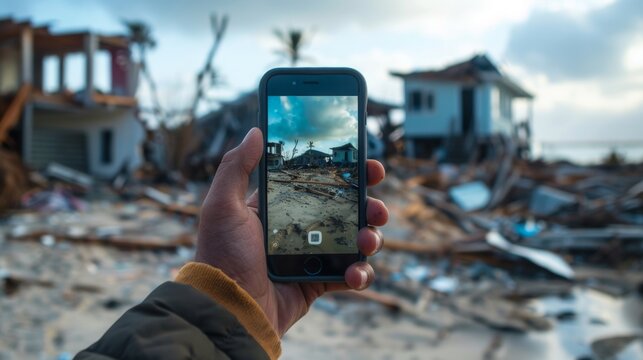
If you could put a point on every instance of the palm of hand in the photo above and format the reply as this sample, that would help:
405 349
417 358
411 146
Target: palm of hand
231 238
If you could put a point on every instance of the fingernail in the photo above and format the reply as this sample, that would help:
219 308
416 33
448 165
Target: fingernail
363 279
248 134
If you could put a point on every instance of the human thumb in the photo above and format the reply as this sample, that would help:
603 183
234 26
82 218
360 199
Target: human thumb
231 179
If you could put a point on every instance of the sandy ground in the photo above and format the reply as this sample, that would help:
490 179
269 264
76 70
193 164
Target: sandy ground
294 210
349 330
39 322
92 287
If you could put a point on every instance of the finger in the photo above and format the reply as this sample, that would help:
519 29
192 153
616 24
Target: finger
369 241
253 200
231 180
359 275
374 172
376 212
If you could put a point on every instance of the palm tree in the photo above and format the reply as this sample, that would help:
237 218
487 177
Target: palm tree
140 36
292 41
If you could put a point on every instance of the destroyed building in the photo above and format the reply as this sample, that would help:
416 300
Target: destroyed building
389 139
345 154
274 158
461 109
55 110
310 158
222 129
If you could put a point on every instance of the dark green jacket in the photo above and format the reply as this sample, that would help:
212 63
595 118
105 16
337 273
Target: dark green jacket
177 321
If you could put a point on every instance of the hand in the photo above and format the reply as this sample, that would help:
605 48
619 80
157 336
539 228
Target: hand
231 238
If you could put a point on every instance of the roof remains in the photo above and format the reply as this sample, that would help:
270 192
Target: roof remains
314 153
475 70
47 42
347 146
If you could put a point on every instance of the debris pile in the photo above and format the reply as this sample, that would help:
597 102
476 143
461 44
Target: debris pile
477 253
496 243
13 180
75 250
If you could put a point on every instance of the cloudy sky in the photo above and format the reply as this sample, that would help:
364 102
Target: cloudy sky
327 121
582 58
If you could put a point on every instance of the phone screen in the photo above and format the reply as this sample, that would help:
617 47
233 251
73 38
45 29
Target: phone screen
312 174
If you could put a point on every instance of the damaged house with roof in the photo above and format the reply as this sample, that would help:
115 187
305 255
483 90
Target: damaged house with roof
310 157
274 157
345 154
462 110
52 107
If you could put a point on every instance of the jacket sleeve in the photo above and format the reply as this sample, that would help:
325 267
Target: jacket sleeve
203 315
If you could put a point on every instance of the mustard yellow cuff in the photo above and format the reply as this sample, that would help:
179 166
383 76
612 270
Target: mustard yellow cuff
227 293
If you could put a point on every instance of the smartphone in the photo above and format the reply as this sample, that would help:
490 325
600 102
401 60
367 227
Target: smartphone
312 177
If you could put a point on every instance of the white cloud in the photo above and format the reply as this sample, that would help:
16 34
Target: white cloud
633 60
582 58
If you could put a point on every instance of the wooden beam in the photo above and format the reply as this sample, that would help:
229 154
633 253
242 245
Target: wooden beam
114 100
11 116
125 242
112 42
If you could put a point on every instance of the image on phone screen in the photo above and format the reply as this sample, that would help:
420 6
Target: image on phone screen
312 174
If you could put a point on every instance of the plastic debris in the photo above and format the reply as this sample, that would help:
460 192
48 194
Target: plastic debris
471 196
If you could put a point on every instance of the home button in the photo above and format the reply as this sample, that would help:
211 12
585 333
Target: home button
312 265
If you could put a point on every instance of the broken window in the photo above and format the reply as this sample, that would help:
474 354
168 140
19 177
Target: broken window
106 140
416 101
75 64
51 73
103 71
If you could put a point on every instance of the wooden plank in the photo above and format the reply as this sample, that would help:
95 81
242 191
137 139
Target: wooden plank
115 100
124 242
11 116
288 173
60 99
312 182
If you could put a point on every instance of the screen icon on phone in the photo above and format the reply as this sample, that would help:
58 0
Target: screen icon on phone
314 237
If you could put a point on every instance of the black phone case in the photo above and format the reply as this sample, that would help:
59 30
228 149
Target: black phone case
362 136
